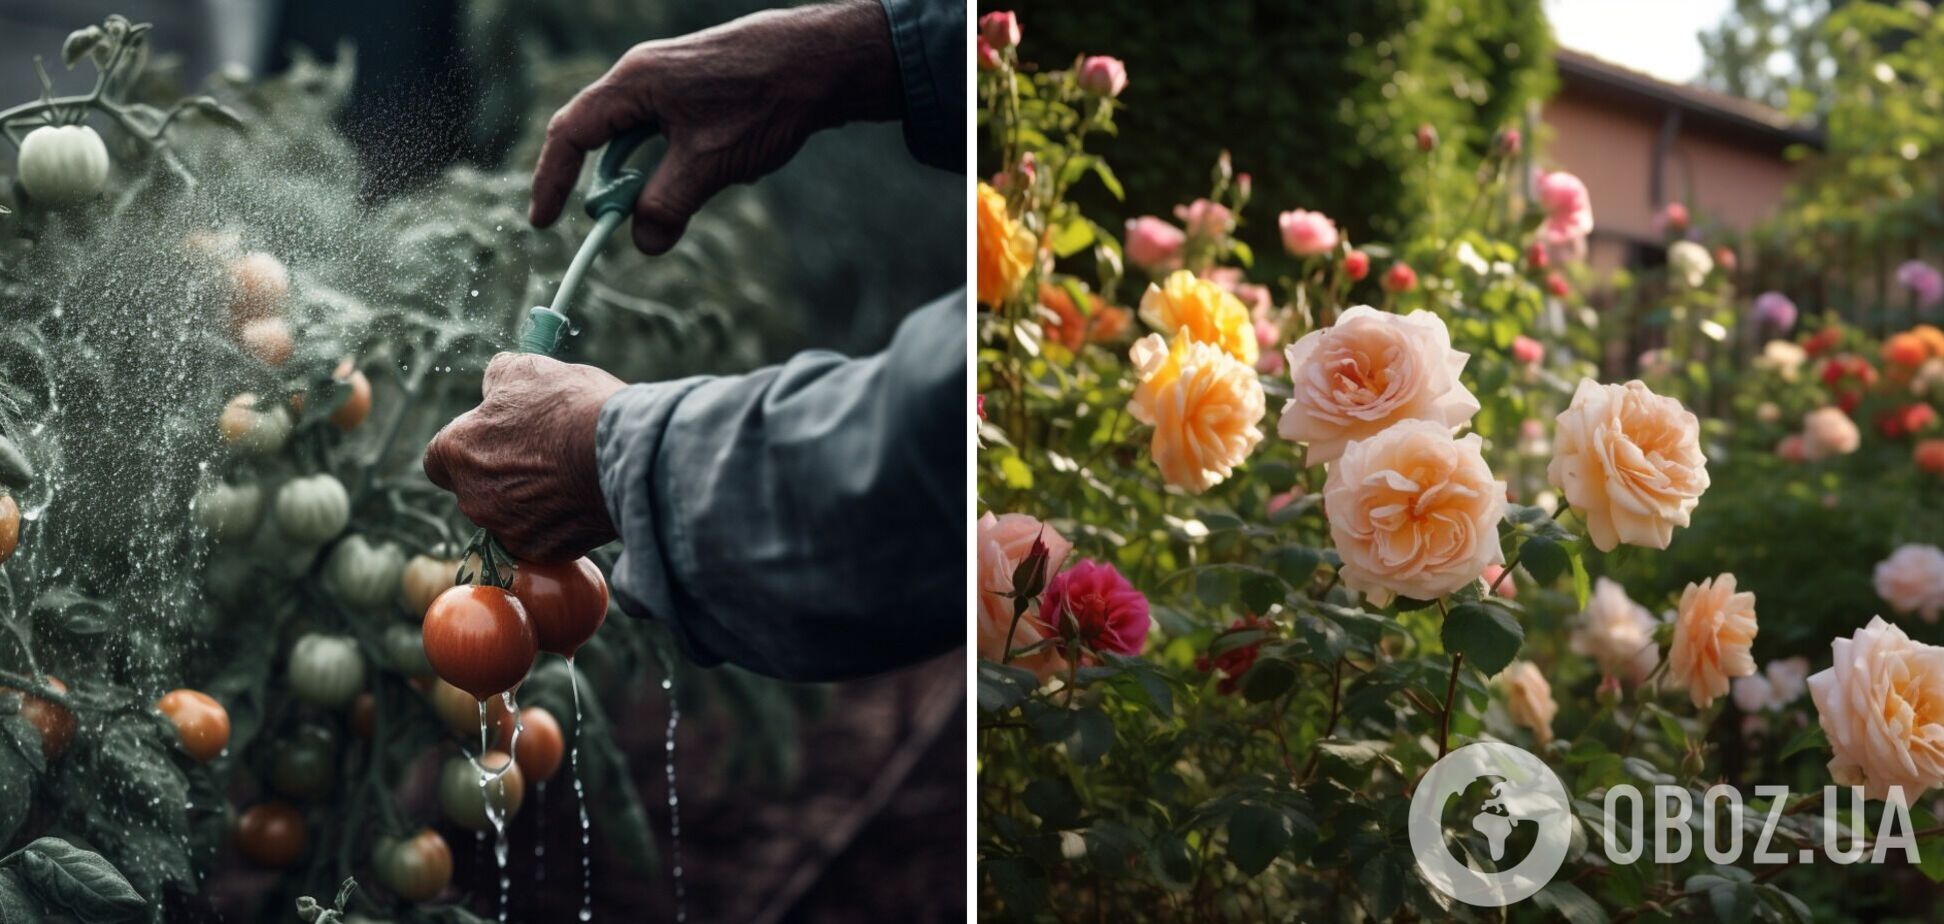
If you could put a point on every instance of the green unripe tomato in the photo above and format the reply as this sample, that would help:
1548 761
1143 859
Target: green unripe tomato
313 510
326 670
305 764
229 511
365 574
63 165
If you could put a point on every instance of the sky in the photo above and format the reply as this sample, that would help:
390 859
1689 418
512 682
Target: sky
1655 36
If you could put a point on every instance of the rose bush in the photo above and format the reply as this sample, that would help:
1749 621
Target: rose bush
1483 515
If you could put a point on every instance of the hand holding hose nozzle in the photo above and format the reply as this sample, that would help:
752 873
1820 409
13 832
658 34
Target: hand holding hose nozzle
608 202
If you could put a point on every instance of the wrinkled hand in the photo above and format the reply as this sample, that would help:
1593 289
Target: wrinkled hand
522 463
735 102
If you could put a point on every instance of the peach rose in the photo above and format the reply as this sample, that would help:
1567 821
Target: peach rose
1827 433
1004 542
1370 370
1414 512
1911 580
1203 310
1204 405
1630 461
1005 249
1617 633
1713 629
1529 699
1882 705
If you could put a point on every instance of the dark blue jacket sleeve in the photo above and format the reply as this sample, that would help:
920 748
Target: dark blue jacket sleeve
933 55
805 521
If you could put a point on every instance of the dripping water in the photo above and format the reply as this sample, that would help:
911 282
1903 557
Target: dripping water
580 800
674 803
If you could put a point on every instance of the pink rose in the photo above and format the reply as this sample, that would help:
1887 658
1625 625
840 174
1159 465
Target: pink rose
1874 702
1791 449
1569 214
1356 265
1527 350
1004 542
1205 218
1507 588
1427 137
1673 218
1617 633
1911 580
1413 512
1107 612
1369 370
1508 142
1827 433
1306 233
987 55
1153 244
999 29
1400 278
1103 76
1630 462
1270 361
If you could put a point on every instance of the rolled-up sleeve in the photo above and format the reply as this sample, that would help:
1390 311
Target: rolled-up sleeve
930 39
804 521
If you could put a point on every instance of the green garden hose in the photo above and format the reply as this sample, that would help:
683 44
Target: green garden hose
609 201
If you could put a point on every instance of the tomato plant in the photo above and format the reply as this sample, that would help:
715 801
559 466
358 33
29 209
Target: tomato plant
312 509
417 869
567 602
479 639
272 834
201 722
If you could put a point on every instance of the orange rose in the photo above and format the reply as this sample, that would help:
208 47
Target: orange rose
1630 462
1879 702
1005 249
1203 404
1413 512
1714 628
1529 699
1203 310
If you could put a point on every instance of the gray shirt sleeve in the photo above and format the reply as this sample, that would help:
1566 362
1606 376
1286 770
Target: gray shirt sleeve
930 39
805 521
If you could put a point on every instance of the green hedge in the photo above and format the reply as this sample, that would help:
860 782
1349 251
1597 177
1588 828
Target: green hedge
1296 91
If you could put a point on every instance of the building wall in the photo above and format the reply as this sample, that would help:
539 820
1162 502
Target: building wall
1726 178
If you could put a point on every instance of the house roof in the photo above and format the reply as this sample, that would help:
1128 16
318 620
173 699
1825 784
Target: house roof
1597 76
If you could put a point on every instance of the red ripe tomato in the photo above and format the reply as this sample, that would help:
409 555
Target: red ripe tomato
9 526
55 722
567 602
541 745
272 835
364 714
200 720
478 639
417 869
357 405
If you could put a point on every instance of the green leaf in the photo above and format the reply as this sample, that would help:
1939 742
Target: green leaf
1255 836
1380 880
1173 860
1071 237
1054 801
1091 737
1003 686
1544 559
78 881
1261 591
1268 679
1487 636
1108 179
1569 902
1295 564
1809 739
1582 582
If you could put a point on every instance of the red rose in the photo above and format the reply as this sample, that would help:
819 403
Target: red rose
1106 612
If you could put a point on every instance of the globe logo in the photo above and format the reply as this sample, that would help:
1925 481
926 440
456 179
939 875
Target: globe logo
1524 792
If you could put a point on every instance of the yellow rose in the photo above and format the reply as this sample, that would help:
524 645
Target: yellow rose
1714 628
1630 461
1005 249
1529 699
1882 704
1203 404
1413 512
1204 311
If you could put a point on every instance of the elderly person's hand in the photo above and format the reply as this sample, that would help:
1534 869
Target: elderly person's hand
522 463
735 102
